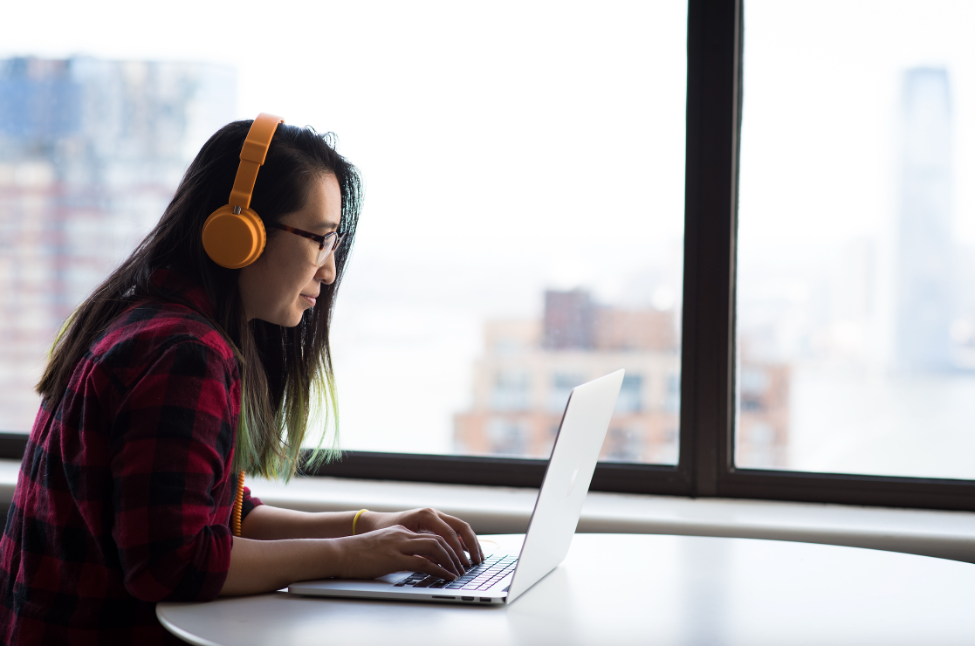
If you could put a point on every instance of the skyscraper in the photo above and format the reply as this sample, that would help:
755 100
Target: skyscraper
924 246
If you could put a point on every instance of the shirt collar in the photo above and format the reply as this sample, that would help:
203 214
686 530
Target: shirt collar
182 288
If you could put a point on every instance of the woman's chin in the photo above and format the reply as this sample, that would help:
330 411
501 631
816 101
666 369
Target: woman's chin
285 319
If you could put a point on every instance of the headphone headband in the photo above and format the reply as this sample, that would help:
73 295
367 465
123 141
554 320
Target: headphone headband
234 236
253 155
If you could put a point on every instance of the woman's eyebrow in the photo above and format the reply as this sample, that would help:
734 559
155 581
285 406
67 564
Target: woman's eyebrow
328 226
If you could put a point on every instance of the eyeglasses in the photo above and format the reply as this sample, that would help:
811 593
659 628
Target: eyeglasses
327 243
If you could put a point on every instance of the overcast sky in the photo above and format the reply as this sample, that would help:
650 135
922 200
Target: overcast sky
555 117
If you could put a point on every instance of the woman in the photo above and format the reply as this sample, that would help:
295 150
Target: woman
174 377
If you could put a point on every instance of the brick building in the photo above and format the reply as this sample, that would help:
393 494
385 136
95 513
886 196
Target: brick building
522 383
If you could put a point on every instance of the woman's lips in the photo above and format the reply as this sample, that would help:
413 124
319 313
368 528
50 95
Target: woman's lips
311 300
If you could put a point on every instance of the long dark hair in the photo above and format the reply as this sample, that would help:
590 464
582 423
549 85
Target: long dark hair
286 373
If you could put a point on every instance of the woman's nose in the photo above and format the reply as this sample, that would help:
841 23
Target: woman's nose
327 273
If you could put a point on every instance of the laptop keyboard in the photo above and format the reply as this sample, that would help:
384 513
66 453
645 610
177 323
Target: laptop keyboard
478 577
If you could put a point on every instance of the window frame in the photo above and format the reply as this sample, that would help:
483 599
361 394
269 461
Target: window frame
707 414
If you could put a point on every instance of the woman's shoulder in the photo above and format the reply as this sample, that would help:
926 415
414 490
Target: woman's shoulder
158 338
151 326
162 323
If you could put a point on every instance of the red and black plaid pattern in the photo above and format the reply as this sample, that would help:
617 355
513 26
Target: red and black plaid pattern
125 491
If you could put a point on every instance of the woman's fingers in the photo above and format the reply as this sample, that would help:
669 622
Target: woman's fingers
461 529
455 535
444 529
428 521
437 550
455 556
424 565
398 548
456 532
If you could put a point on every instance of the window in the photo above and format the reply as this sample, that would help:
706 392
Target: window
567 275
507 144
629 399
562 385
855 275
508 437
510 391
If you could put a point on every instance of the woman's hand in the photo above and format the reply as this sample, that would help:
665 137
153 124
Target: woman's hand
455 532
284 546
262 565
396 548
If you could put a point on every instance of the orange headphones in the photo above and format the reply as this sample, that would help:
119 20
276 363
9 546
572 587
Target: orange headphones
234 235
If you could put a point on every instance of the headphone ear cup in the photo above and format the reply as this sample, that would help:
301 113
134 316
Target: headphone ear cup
234 240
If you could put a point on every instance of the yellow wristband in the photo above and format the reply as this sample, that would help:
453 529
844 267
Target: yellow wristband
357 517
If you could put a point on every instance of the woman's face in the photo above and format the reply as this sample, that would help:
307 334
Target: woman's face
284 282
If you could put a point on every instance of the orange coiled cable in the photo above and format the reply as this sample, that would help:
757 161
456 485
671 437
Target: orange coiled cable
238 503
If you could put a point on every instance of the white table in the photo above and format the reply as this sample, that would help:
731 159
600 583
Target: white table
640 589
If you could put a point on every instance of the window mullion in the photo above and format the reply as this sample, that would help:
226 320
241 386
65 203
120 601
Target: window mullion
707 326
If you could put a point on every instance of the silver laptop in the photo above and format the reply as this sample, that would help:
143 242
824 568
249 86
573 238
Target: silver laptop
501 578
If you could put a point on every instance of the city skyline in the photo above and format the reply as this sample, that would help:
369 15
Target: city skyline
90 154
861 299
877 325
412 341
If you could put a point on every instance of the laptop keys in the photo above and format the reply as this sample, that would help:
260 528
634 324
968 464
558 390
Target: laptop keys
477 577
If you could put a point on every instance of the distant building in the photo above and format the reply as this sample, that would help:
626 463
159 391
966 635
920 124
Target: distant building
522 383
924 246
763 423
90 154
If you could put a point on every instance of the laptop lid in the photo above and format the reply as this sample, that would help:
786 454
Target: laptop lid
568 475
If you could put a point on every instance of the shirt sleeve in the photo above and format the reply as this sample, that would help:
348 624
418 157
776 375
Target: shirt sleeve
171 437
249 503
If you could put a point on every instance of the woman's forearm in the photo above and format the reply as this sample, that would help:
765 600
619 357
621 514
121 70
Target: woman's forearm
262 566
267 522
258 566
279 546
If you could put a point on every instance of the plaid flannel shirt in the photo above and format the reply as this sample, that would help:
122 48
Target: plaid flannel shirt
125 490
